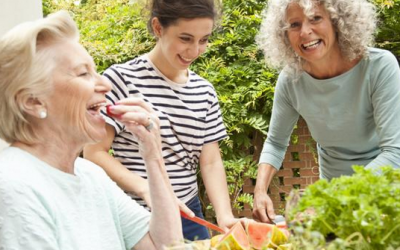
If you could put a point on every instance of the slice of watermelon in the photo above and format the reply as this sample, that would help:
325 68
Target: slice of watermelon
108 110
234 239
259 233
279 237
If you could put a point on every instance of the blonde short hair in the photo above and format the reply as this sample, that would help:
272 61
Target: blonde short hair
354 21
26 67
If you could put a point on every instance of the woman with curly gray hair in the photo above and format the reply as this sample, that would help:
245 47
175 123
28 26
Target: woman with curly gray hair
347 92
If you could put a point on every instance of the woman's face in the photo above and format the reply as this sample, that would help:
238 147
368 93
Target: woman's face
184 41
312 38
78 93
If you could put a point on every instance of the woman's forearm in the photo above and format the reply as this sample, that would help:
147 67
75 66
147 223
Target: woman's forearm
165 223
264 177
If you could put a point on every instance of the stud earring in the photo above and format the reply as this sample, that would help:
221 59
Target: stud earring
42 114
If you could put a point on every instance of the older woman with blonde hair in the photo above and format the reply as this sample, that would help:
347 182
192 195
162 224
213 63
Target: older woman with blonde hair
50 100
347 92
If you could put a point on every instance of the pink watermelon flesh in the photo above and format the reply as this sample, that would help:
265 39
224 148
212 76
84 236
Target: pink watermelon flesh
259 233
239 234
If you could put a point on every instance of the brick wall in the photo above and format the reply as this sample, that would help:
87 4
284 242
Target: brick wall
299 169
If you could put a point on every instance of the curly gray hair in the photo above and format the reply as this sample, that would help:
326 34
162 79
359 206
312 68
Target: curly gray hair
355 22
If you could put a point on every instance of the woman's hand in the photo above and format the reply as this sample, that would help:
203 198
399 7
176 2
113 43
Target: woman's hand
227 222
261 206
142 121
184 208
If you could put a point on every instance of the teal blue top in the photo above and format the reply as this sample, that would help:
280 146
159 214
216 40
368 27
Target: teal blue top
42 207
353 117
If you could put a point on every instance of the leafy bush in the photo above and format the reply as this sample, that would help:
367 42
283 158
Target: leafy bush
388 36
112 31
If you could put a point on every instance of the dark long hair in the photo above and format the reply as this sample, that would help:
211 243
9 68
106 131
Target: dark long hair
169 11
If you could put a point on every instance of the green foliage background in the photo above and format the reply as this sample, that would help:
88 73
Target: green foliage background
115 31
388 36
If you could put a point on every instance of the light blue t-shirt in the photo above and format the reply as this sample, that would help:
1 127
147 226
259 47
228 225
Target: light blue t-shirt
353 117
42 207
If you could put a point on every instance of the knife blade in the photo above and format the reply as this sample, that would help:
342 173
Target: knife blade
279 219
202 222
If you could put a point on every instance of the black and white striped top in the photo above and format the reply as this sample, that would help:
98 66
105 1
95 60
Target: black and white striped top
189 118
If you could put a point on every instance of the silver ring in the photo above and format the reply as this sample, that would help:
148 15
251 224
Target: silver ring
150 126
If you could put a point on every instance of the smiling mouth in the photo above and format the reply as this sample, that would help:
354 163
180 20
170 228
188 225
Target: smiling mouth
188 60
311 45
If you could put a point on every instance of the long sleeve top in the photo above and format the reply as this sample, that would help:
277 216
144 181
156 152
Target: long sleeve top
353 117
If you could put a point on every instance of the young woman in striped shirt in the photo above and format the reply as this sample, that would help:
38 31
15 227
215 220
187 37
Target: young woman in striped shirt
186 104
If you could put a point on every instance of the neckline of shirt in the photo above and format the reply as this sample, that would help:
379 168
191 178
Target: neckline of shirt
146 56
55 172
336 78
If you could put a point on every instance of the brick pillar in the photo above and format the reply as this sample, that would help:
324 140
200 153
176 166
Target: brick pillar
299 169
